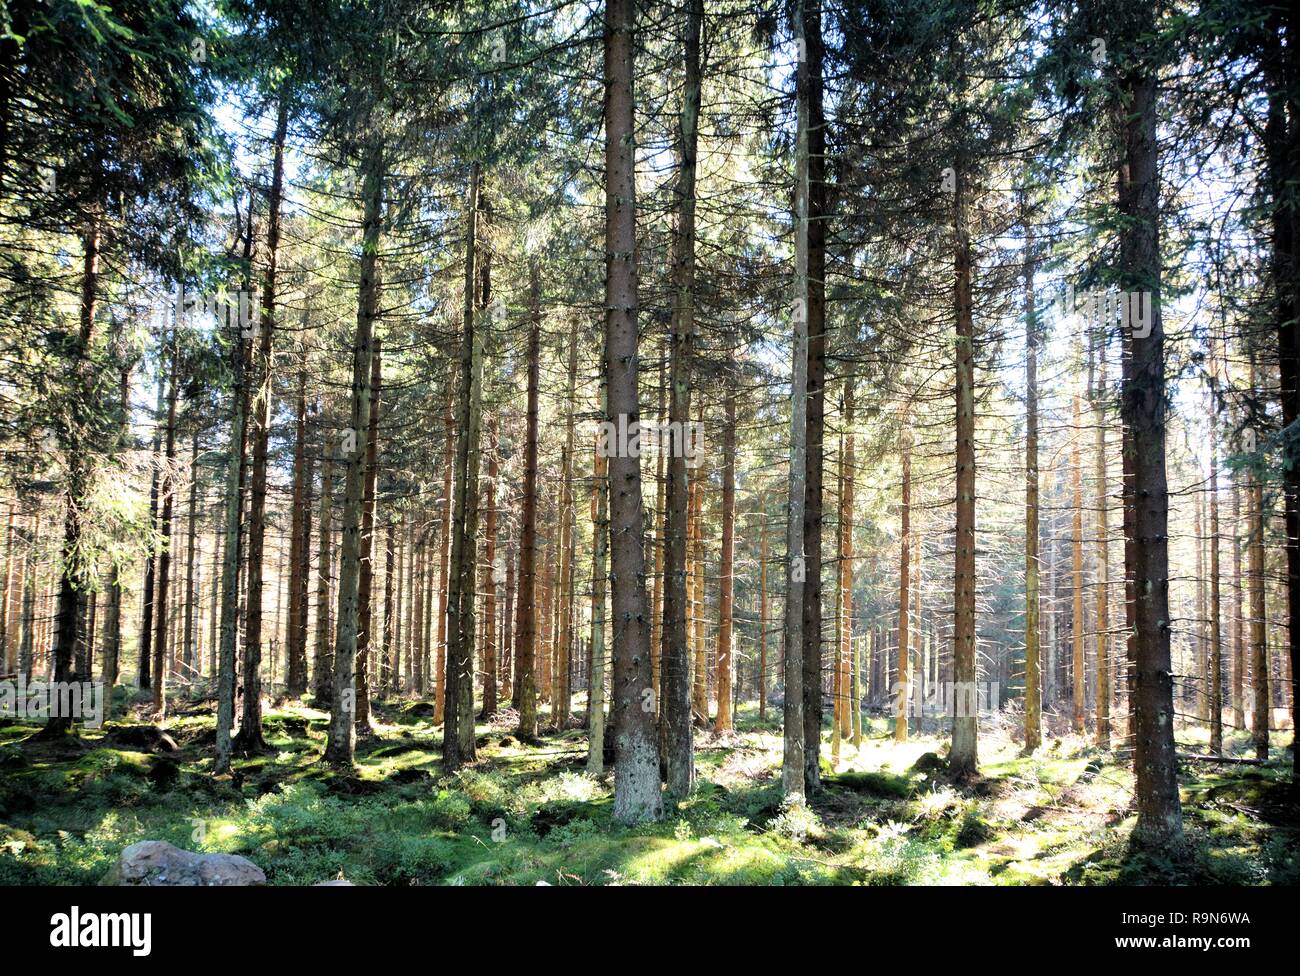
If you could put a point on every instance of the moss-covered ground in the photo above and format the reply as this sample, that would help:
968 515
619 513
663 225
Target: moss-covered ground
527 814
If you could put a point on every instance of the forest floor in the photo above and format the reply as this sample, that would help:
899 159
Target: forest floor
530 815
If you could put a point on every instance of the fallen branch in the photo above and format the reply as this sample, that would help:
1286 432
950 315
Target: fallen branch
1231 760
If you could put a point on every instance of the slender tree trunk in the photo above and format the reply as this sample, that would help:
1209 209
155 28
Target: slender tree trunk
25 645
599 576
449 466
1282 142
963 759
813 699
366 580
792 762
563 646
525 698
234 528
728 564
674 653
1076 552
700 675
1216 625
323 668
168 494
903 689
458 728
490 578
660 529
1105 682
296 679
1258 611
1033 651
145 663
636 773
69 624
389 651
506 658
849 684
1155 763
250 722
341 745
191 558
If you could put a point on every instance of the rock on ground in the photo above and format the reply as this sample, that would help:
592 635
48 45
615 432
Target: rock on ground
157 863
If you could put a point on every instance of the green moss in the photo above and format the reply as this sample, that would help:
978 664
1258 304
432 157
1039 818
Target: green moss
526 814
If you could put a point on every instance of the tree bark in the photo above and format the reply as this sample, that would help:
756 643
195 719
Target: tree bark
902 688
636 774
963 759
1033 651
525 700
341 744
728 564
1155 764
458 727
366 580
813 699
250 722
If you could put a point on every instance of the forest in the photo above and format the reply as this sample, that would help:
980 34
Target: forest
649 442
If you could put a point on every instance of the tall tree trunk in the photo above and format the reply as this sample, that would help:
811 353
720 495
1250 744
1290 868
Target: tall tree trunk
674 653
323 667
1258 609
420 609
1282 142
1105 681
636 773
560 709
69 626
849 684
728 563
903 689
599 576
1216 624
1076 553
444 572
366 581
1033 651
458 727
699 672
145 663
490 579
250 721
506 659
234 531
25 645
525 698
8 646
1238 616
963 760
762 608
792 760
341 745
1155 763
1202 683
660 527
813 512
296 679
191 557
168 493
